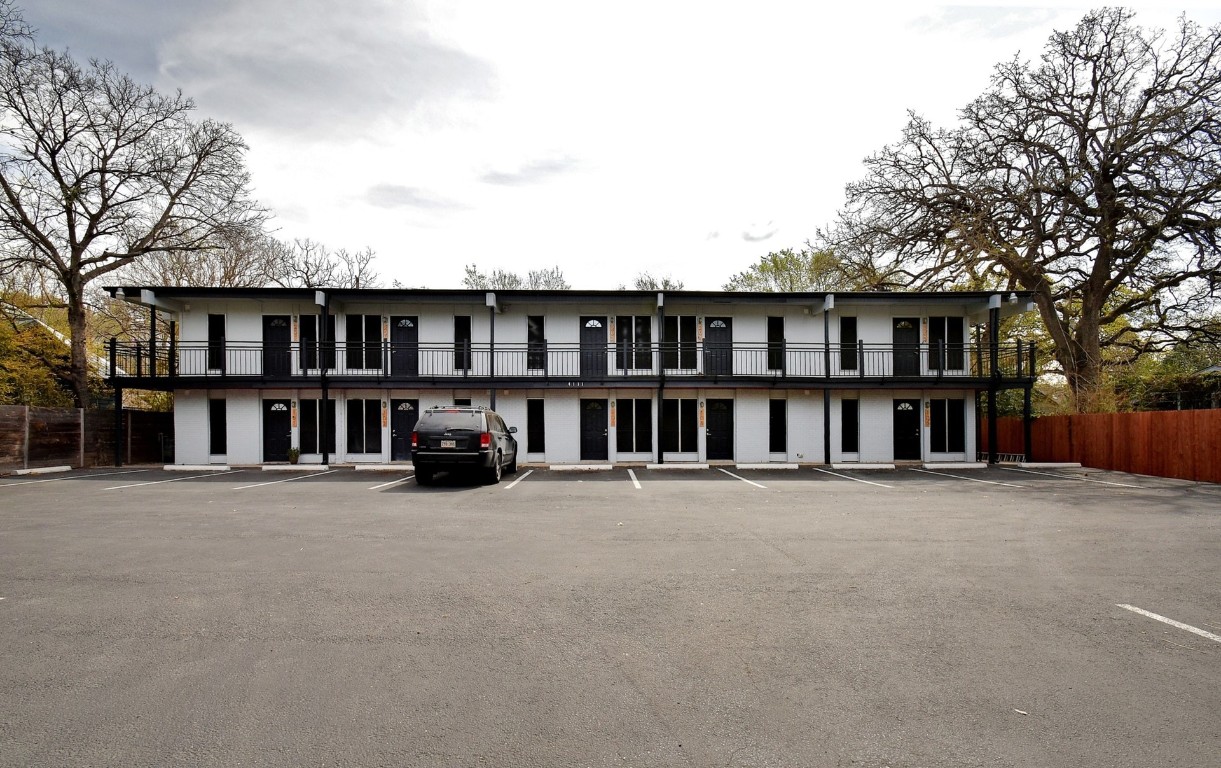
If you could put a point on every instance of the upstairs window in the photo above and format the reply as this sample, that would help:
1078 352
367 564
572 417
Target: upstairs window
633 337
679 349
364 341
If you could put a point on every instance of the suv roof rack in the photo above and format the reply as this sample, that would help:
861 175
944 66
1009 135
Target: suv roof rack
457 407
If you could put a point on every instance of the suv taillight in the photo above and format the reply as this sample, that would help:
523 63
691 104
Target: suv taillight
415 439
485 440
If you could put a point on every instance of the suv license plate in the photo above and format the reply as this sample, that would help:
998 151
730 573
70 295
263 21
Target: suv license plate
449 443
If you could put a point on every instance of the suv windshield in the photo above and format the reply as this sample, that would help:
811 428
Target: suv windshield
451 420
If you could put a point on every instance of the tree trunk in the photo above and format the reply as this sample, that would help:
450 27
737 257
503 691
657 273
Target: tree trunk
77 332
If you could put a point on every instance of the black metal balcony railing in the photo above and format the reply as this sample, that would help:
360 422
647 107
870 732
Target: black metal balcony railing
548 362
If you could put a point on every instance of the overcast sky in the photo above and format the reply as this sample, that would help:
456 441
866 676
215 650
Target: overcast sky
681 138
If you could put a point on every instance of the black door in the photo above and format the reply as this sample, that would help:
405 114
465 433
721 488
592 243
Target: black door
718 346
593 348
403 416
277 345
593 430
277 429
719 434
907 430
404 346
906 340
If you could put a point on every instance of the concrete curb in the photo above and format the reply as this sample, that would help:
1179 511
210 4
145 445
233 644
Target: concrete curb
41 470
384 467
197 468
955 465
676 466
765 466
862 466
1049 464
579 467
295 467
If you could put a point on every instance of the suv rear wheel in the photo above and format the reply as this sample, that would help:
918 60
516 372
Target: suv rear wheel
493 472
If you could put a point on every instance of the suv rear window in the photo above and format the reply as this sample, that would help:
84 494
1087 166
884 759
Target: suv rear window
444 420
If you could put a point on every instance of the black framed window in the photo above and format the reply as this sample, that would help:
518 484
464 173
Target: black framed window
775 343
216 342
535 435
847 344
679 426
948 426
364 426
218 430
364 341
462 401
633 337
777 423
313 348
311 427
680 342
850 426
634 425
462 342
947 333
536 343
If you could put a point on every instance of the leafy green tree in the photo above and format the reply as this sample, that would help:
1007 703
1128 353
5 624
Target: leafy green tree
807 269
1091 177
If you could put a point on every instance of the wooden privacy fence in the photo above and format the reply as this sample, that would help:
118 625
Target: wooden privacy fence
33 437
1182 444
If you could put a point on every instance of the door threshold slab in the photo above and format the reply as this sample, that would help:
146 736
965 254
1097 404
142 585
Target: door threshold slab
677 465
776 465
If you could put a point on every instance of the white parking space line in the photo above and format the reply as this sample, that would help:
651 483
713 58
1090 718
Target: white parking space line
287 479
972 479
1171 622
392 482
743 479
635 482
171 480
77 477
518 480
850 477
1072 477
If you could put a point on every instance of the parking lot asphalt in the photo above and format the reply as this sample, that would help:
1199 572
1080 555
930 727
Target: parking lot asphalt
719 617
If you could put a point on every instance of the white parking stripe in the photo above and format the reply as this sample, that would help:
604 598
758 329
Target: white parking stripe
635 482
518 480
972 479
1171 622
171 480
1072 477
850 477
392 482
76 477
743 479
287 479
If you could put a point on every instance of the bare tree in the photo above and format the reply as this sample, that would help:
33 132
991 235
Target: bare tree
98 171
535 280
309 264
1091 178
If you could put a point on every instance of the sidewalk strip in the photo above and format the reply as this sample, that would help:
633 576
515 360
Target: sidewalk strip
972 479
850 477
743 479
518 480
1171 622
1071 477
171 480
76 477
635 482
392 482
287 479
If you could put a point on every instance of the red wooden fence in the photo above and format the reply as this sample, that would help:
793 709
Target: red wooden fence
1182 444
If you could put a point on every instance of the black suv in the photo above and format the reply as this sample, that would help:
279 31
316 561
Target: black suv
452 437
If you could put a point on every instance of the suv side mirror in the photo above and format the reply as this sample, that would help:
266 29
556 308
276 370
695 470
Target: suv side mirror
512 430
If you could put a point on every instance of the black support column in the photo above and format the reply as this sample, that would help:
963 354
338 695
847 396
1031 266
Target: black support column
325 425
994 320
661 370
